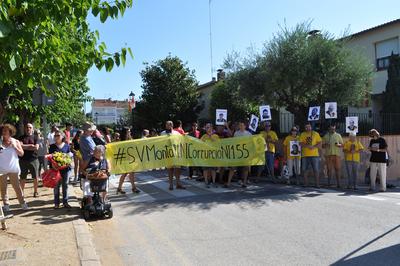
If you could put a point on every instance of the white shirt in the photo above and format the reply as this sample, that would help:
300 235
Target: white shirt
242 133
9 161
173 132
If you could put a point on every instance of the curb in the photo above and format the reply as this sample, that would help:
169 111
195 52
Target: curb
84 242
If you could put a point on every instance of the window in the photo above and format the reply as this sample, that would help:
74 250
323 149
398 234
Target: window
384 50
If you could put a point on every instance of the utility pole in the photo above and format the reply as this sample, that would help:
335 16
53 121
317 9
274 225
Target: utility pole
211 50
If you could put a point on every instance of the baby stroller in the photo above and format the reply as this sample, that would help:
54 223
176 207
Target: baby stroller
99 207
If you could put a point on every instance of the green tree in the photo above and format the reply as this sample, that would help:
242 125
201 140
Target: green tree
392 93
48 44
297 69
169 93
225 95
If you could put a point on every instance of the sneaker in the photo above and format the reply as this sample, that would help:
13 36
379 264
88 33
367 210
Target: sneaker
6 208
24 206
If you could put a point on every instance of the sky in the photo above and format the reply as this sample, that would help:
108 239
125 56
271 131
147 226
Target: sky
154 29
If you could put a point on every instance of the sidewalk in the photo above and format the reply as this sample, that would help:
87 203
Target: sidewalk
40 235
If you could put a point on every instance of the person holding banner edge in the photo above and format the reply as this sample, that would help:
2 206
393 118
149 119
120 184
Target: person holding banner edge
175 170
126 135
210 136
271 139
243 169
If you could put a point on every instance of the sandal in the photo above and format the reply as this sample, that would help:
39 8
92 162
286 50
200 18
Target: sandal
35 194
119 190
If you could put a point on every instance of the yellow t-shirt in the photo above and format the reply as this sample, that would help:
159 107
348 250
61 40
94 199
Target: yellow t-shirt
357 147
208 138
310 138
286 143
273 137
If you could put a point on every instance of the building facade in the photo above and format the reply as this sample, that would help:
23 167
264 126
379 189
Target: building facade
205 91
378 44
108 111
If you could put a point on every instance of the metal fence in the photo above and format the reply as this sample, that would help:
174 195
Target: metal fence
385 123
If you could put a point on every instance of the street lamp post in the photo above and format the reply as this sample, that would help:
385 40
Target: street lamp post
131 105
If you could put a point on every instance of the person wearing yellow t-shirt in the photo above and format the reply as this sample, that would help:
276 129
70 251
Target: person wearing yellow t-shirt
333 143
310 142
352 149
271 139
210 136
292 154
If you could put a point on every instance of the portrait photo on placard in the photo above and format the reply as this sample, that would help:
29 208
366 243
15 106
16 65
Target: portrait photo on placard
221 117
265 113
331 110
295 149
314 113
351 124
253 123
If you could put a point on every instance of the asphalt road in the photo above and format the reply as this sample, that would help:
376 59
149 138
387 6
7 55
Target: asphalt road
263 225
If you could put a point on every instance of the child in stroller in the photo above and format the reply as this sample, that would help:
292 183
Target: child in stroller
97 173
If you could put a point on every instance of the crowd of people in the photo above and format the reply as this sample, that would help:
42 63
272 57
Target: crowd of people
26 155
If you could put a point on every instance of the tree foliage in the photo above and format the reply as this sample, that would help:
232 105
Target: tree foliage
169 93
392 94
45 43
296 70
225 95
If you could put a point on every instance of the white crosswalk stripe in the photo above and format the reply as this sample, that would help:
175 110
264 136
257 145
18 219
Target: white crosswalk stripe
161 188
154 188
141 197
161 184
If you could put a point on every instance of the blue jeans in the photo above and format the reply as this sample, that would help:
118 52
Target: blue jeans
352 169
269 162
312 161
64 183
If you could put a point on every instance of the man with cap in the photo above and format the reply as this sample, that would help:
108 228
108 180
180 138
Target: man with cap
86 146
86 142
352 148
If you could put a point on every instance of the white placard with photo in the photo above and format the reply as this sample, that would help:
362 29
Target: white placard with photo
265 113
314 113
221 117
352 124
253 123
331 110
295 149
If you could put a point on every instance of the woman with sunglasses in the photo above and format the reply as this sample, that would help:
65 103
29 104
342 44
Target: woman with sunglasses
61 146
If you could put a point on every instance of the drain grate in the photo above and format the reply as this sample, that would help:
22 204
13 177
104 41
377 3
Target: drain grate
8 255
